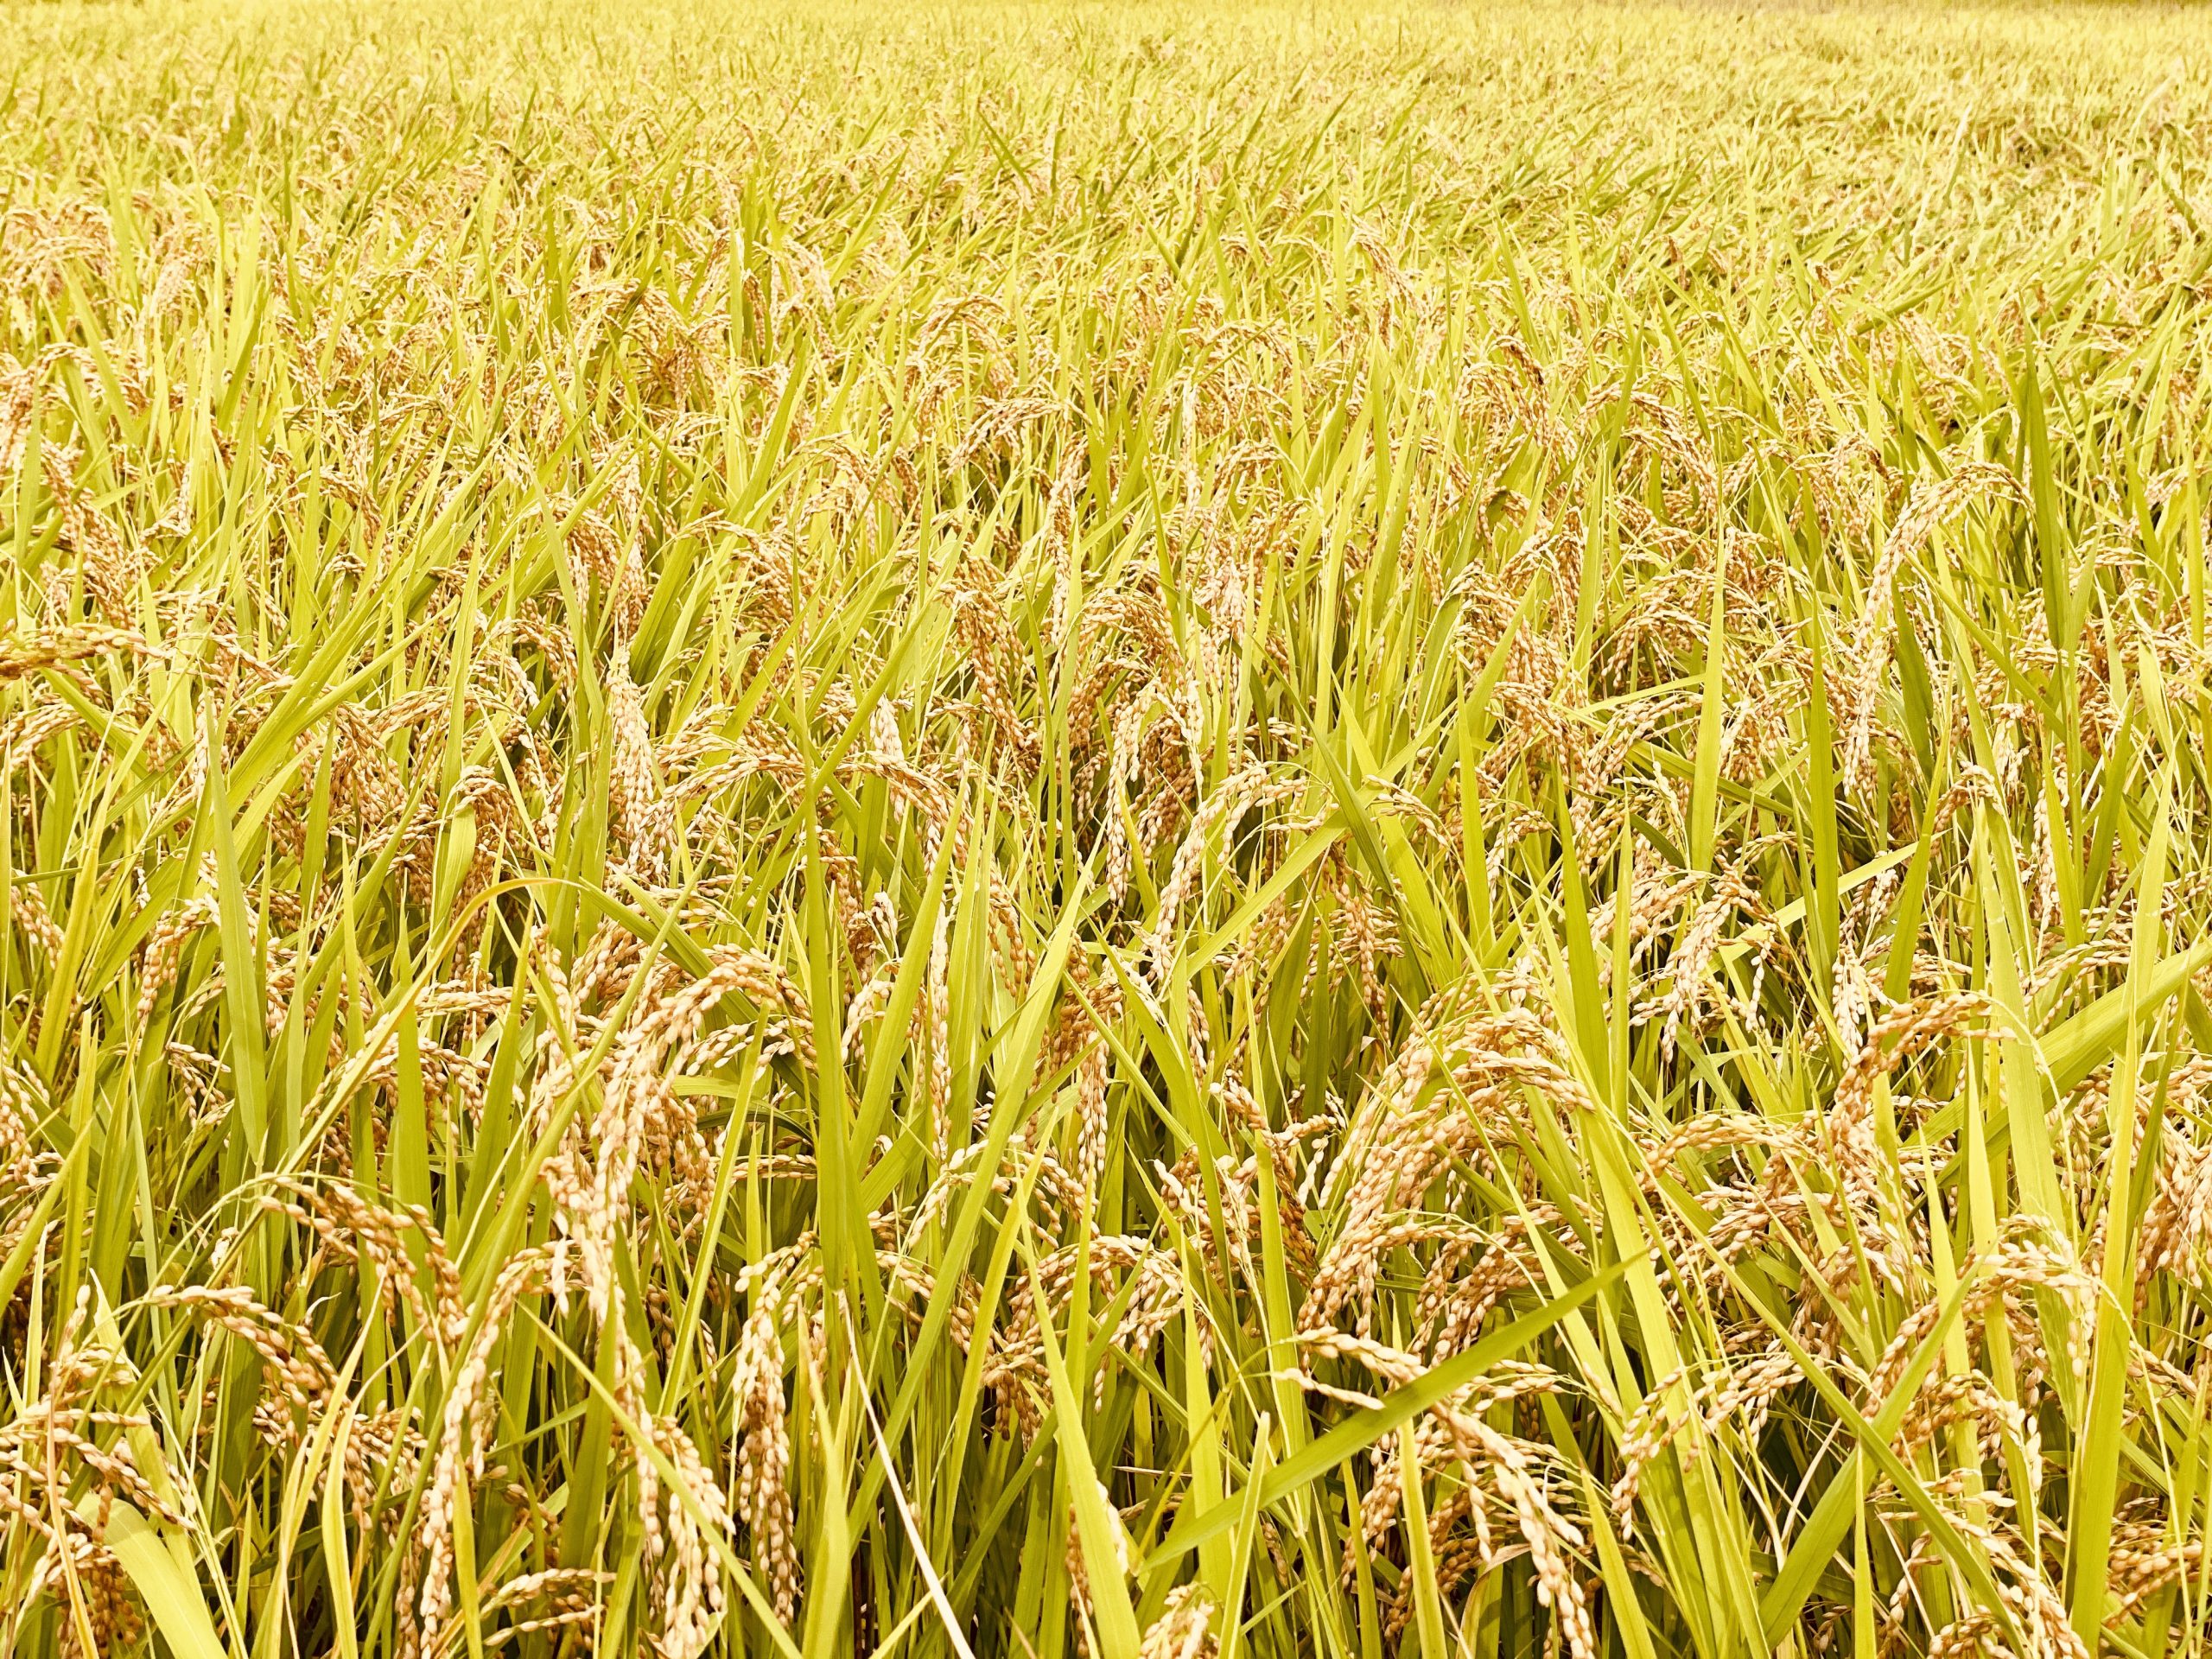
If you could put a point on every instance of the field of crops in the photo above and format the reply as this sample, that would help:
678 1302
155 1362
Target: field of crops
1164 830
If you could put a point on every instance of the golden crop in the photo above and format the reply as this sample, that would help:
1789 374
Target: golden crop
1043 830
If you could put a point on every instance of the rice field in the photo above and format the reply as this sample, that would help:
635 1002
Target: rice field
1082 832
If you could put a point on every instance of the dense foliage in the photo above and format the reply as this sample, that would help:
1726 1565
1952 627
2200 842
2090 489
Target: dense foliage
1049 830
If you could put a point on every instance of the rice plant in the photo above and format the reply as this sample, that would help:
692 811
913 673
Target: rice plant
1080 832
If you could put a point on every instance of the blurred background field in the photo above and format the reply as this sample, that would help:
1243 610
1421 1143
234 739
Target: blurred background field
1046 831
